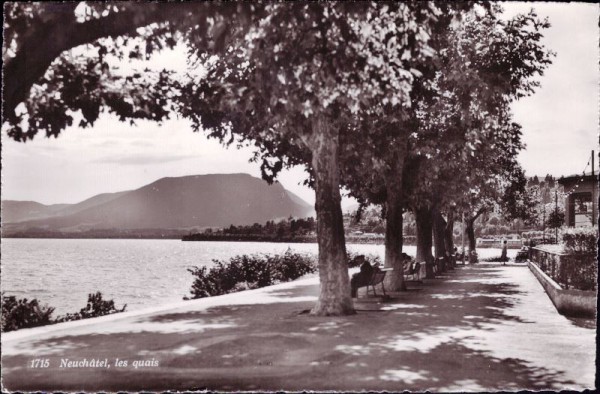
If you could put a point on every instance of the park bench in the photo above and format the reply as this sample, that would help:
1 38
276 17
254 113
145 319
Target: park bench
413 270
376 278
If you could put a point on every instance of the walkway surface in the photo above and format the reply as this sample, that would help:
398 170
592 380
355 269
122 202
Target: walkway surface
480 328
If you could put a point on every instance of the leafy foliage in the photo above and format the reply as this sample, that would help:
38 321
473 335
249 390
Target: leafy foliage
468 112
556 219
462 148
518 201
249 272
20 313
580 240
54 81
503 57
284 227
579 270
293 84
495 259
282 77
420 88
578 267
96 306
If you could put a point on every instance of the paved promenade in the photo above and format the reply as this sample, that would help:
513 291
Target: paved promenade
480 328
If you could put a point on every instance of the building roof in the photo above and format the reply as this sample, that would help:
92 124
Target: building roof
573 178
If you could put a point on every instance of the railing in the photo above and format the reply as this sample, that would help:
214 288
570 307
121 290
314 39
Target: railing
497 243
575 271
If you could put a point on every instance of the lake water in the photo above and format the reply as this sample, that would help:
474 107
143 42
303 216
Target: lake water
139 273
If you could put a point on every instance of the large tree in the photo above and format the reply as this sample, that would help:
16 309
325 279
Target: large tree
291 79
457 101
488 63
296 82
312 67
376 146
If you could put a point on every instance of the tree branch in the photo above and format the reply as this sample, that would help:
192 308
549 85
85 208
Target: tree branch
58 31
479 212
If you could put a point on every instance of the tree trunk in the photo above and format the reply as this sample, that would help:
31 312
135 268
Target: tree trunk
393 247
393 224
449 239
424 239
470 230
334 295
439 229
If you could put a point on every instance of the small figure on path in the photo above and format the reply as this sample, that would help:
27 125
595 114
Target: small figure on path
503 256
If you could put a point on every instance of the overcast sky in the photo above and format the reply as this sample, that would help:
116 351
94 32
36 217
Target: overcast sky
560 128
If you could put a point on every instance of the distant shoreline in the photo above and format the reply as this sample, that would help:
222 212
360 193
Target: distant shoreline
229 238
202 237
268 238
80 236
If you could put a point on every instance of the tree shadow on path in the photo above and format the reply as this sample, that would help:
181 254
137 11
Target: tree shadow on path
419 340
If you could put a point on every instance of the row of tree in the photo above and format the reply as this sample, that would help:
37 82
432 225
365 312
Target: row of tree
290 226
405 105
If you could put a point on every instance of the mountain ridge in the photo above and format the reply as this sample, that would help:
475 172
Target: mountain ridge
193 201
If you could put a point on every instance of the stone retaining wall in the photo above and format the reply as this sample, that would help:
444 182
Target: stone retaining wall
571 302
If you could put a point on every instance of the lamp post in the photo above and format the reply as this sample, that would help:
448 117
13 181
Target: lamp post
543 221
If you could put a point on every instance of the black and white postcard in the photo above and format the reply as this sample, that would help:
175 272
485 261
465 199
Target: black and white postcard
299 196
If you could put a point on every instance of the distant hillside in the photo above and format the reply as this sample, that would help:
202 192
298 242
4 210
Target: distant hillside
90 202
17 211
176 203
20 211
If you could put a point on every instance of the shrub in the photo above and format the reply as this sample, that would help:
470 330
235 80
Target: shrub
249 272
580 240
556 219
291 266
21 313
95 307
495 259
579 269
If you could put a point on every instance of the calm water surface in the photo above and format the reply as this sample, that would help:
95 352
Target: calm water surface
139 273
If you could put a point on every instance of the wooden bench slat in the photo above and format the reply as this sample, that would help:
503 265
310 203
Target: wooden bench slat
376 278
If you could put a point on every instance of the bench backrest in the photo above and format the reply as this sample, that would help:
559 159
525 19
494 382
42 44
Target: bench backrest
412 268
377 278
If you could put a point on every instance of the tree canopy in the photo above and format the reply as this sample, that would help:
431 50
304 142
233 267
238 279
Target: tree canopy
49 77
406 104
301 79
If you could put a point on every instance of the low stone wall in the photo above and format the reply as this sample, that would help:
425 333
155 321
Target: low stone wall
570 271
571 302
